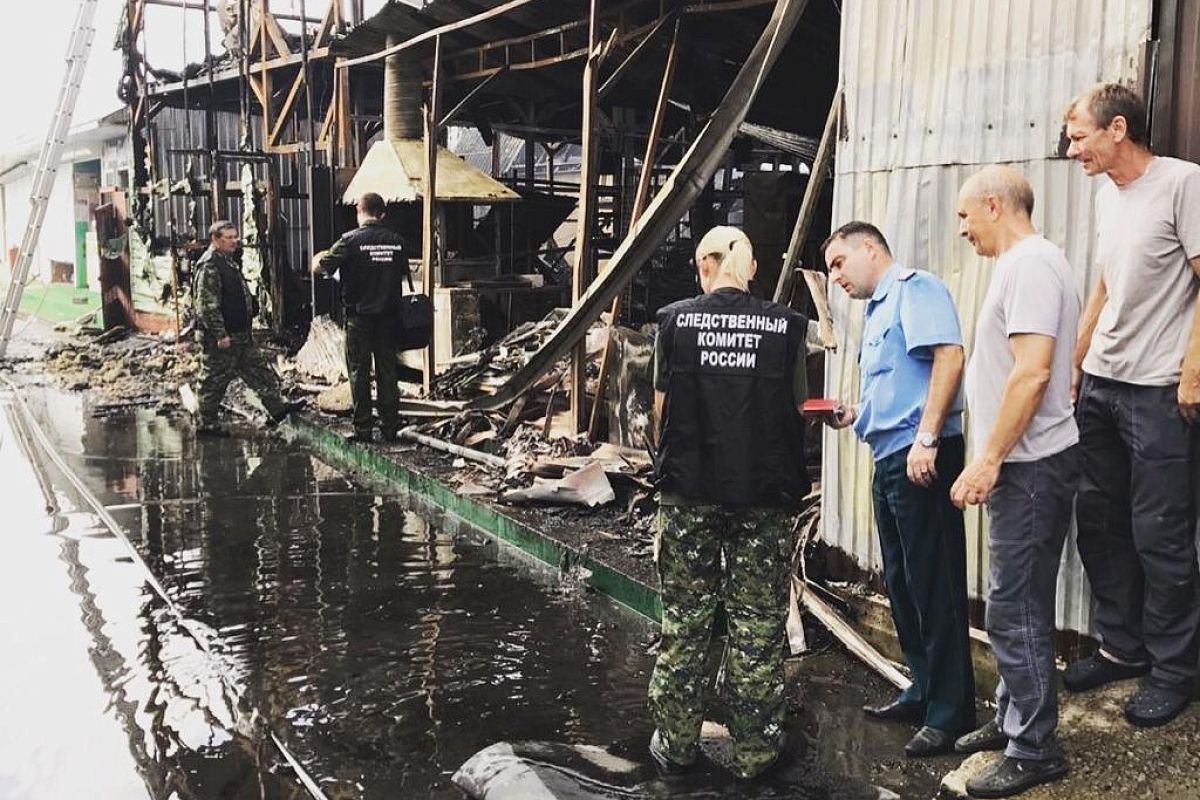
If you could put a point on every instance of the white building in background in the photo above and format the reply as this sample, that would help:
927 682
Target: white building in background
94 159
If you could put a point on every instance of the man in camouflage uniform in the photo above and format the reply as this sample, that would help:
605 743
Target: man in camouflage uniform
754 545
225 308
729 380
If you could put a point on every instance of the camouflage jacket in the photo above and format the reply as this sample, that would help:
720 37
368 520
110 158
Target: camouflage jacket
223 301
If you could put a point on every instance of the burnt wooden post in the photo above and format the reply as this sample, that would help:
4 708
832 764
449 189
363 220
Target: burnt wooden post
808 206
429 189
641 199
582 272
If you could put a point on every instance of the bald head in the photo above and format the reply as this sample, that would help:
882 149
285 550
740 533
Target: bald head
1005 184
993 209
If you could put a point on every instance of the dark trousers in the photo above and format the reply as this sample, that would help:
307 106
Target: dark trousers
1137 525
923 542
371 337
242 359
1029 512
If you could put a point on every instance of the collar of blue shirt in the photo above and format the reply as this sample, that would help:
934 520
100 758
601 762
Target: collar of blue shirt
896 272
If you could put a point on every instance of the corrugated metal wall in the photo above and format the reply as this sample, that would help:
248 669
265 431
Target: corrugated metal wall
935 89
171 126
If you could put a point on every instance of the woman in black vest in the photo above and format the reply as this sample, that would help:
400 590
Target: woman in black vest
729 381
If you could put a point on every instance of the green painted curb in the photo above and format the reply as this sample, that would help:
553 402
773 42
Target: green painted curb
606 580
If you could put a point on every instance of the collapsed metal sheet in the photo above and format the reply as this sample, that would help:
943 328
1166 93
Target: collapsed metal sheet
684 185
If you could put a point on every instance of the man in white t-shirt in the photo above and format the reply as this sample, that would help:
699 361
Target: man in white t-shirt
1138 405
1025 467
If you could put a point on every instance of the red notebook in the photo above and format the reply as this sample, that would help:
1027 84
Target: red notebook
819 407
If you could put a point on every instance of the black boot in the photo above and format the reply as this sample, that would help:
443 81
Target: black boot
988 737
1096 670
1153 705
289 407
1010 776
897 711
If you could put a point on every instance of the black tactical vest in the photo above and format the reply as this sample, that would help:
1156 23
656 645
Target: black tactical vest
376 261
731 432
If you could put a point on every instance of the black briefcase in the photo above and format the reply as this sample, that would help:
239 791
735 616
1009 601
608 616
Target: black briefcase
414 320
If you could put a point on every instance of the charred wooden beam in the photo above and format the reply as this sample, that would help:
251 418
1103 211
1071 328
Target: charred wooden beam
436 33
429 201
469 96
582 272
687 180
633 56
639 207
808 206
201 5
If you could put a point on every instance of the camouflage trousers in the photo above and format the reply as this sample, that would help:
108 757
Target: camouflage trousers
241 360
372 338
710 556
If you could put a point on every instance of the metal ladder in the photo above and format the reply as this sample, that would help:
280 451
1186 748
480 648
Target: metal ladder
47 168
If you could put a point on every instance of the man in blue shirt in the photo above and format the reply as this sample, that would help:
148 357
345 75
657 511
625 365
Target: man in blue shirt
910 413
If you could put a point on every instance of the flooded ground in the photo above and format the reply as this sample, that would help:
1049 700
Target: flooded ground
382 649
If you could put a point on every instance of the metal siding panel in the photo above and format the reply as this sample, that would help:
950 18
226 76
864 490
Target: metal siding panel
915 208
944 82
934 90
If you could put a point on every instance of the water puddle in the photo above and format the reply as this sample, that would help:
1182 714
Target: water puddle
384 649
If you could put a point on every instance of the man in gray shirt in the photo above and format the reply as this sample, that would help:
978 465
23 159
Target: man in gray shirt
1025 467
1138 405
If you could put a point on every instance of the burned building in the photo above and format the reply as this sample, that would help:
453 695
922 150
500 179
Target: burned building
569 119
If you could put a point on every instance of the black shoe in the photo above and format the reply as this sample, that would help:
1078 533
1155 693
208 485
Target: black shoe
1010 776
389 436
290 407
360 437
1096 670
1152 705
929 742
896 711
212 432
665 763
988 737
789 752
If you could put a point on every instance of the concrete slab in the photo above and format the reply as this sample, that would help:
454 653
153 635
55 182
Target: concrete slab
1109 757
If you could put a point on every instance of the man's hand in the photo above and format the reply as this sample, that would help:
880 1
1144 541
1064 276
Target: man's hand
225 342
1189 397
842 417
316 262
1076 379
922 465
975 483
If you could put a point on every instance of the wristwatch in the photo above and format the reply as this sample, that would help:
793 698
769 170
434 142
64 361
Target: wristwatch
927 439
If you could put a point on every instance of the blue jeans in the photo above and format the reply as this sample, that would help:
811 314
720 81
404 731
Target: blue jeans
1030 512
923 543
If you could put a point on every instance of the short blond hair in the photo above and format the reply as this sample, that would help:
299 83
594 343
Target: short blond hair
731 249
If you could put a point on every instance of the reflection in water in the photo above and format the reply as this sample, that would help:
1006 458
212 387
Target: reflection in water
383 650
168 703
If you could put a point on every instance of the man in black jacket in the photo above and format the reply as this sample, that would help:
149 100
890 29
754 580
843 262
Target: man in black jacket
225 308
372 261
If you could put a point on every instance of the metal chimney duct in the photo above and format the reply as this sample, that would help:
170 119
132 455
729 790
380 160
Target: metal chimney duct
402 94
394 167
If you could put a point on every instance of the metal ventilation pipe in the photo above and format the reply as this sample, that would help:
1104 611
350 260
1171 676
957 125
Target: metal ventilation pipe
402 94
